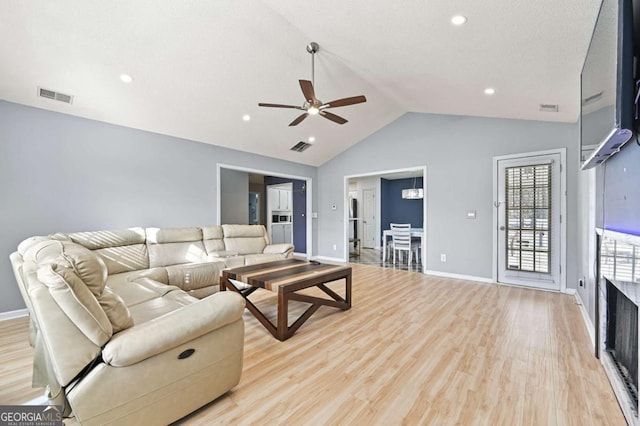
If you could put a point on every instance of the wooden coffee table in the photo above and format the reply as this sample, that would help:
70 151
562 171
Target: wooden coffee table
286 277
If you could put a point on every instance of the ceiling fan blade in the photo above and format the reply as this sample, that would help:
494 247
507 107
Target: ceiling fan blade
345 101
298 120
333 117
307 90
279 106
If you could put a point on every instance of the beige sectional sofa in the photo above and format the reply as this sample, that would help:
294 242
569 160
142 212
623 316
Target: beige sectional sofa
128 326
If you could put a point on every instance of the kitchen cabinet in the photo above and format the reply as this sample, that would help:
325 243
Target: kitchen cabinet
281 233
285 199
279 199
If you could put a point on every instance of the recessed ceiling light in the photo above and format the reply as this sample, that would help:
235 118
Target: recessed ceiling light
126 78
458 20
489 91
246 117
312 139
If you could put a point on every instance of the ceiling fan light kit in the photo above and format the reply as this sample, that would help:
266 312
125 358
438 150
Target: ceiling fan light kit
312 105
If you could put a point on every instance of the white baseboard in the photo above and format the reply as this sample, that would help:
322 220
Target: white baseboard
460 276
570 291
585 317
14 314
330 259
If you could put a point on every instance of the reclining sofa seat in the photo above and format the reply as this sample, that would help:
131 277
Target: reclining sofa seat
111 312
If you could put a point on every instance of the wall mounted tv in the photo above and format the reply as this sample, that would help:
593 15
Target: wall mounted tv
607 84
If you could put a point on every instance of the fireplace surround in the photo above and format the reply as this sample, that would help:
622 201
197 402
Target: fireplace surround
618 297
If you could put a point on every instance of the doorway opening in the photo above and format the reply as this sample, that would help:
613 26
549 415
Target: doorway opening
375 200
236 188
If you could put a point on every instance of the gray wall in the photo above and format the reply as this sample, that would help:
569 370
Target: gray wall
64 173
621 190
234 196
458 154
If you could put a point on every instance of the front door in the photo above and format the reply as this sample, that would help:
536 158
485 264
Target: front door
529 243
369 218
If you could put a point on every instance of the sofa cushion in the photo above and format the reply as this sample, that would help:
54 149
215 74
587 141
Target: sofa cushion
233 261
173 246
139 290
124 258
193 276
76 301
212 232
213 239
122 250
25 247
116 310
87 265
245 239
158 274
168 299
94 240
173 235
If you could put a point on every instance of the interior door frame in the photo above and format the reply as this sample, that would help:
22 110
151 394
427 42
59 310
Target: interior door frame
376 216
380 173
308 188
563 209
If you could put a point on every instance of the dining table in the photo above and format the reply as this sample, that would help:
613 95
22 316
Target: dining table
415 233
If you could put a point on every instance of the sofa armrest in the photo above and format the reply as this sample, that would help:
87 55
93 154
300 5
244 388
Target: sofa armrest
173 329
285 249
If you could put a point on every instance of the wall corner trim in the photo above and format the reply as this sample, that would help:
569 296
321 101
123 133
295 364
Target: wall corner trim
585 317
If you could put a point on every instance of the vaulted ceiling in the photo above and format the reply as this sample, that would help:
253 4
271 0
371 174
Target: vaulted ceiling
199 66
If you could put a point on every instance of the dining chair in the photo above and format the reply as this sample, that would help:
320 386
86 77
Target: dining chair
401 240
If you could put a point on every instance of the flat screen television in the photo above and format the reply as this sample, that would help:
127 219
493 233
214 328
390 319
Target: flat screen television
607 84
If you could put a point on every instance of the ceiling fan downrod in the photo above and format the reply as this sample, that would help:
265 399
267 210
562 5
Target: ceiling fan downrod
312 48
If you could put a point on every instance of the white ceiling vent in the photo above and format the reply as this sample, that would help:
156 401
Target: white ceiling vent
300 146
56 96
549 107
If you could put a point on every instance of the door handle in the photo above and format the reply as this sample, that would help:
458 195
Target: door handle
502 228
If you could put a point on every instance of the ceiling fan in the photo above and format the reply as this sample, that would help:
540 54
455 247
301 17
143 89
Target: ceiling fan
312 105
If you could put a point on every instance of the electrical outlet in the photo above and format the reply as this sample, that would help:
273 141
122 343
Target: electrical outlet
443 257
335 247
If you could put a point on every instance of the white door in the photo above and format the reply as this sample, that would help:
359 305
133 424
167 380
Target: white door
529 217
369 218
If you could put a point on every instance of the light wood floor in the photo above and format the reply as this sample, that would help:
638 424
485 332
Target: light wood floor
412 350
